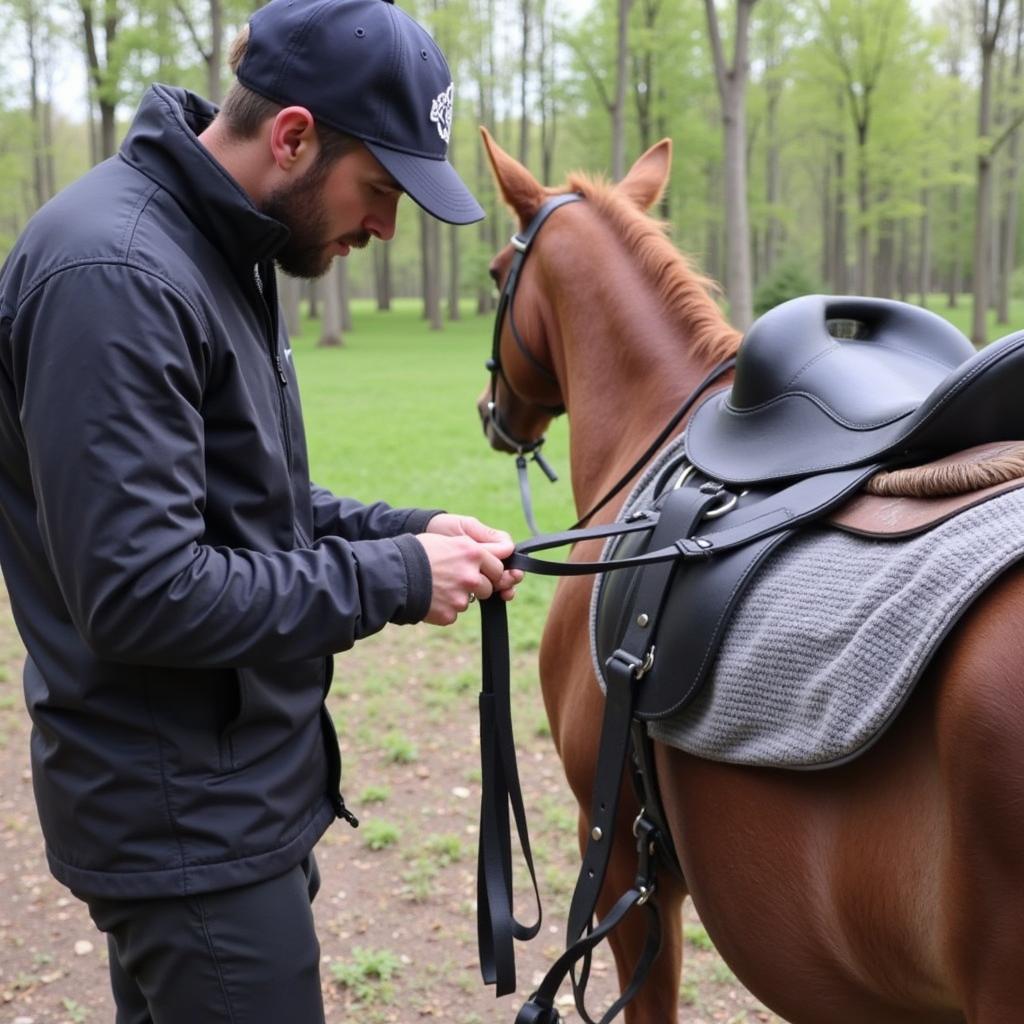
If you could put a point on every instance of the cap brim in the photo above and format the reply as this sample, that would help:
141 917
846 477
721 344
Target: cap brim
433 184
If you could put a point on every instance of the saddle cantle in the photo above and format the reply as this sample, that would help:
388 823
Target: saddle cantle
806 400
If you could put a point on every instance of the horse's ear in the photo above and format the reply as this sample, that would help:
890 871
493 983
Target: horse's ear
647 178
519 188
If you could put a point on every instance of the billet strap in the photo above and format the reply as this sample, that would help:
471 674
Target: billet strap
798 503
497 925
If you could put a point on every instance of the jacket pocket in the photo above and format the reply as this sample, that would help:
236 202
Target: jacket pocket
275 704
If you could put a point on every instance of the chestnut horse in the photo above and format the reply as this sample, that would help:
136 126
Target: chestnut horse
889 890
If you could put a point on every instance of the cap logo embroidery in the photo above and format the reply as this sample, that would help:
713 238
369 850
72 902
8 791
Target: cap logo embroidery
441 112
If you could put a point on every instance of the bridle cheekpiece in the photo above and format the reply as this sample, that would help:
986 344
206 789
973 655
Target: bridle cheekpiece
524 448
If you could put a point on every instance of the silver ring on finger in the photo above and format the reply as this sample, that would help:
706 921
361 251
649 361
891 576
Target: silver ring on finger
472 597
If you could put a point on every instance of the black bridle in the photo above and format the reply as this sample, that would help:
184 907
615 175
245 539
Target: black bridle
524 448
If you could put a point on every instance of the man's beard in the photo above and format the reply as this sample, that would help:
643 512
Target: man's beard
299 207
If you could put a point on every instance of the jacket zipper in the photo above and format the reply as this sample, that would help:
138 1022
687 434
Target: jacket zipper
275 360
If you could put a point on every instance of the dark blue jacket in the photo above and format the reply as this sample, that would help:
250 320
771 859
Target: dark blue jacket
178 582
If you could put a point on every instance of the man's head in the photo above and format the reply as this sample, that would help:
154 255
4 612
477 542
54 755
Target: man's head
354 98
325 186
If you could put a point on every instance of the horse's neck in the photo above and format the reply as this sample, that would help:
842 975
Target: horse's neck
630 369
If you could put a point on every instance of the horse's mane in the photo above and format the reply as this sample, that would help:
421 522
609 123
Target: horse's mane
685 291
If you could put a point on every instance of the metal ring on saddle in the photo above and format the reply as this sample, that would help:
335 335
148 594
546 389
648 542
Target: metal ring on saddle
727 506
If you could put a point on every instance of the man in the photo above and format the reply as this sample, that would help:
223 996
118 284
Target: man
178 582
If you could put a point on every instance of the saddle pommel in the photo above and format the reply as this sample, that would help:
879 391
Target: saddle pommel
825 382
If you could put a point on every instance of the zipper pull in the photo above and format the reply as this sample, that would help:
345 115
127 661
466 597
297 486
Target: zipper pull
343 812
280 370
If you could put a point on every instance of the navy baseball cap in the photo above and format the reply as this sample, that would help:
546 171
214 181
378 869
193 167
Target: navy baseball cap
364 67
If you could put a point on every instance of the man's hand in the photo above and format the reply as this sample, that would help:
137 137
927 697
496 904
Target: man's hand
465 559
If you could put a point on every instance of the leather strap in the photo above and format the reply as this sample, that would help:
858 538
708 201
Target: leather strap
497 925
800 502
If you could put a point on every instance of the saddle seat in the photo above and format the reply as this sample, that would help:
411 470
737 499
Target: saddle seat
806 399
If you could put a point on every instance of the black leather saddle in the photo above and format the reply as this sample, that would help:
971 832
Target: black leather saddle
824 382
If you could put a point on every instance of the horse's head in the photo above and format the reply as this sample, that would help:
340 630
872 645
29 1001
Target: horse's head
528 384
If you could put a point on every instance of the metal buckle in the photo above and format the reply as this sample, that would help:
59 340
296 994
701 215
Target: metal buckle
639 671
519 243
646 892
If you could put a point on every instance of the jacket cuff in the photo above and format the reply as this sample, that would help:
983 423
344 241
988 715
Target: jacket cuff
416 521
420 580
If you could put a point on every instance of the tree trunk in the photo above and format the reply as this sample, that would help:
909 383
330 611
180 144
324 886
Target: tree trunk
524 71
885 263
430 239
619 103
732 83
903 261
548 109
1008 248
924 256
215 63
331 330
453 272
826 265
983 199
772 176
100 77
382 276
313 295
289 291
841 281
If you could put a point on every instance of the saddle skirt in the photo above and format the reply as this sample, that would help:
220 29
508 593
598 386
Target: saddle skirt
827 641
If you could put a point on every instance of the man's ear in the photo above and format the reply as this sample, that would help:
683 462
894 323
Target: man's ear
293 139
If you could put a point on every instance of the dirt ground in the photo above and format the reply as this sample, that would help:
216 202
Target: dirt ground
396 914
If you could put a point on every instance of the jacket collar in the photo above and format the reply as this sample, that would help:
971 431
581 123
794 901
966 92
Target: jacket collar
162 143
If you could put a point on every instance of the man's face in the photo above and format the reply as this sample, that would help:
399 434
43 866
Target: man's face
332 209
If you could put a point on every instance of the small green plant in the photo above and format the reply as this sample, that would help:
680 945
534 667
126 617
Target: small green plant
399 749
447 849
374 795
419 880
368 975
78 1013
379 835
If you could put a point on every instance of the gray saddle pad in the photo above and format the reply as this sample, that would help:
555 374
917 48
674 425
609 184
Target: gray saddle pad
828 642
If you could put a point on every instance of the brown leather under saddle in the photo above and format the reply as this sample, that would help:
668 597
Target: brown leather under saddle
827 392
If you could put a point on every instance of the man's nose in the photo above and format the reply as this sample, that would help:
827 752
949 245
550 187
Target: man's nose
381 223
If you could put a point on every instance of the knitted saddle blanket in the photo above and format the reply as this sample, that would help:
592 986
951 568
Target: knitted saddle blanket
828 642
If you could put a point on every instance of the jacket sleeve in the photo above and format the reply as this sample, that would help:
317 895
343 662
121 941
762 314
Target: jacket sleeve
110 364
351 519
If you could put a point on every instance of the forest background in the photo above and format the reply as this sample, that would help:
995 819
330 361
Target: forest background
862 146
